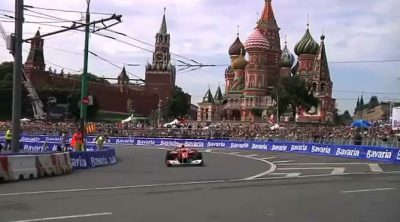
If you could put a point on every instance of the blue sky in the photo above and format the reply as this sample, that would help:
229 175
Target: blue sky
203 30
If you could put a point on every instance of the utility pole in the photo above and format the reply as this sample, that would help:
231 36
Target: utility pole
277 107
159 111
17 76
84 80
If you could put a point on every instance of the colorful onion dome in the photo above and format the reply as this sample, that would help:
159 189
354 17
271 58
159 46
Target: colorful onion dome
287 58
237 48
257 41
239 63
307 45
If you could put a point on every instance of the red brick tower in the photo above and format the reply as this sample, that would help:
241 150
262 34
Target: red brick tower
256 75
161 74
269 27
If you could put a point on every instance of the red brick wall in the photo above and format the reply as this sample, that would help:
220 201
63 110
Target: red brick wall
109 97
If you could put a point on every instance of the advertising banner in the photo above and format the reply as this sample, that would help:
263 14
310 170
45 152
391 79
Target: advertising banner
84 160
389 155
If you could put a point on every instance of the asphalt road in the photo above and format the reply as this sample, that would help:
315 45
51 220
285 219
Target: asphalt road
141 188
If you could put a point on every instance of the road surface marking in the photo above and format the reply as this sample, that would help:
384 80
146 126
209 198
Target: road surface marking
208 150
64 217
375 168
335 170
338 170
178 184
268 158
270 170
251 155
234 153
287 174
367 190
283 161
305 164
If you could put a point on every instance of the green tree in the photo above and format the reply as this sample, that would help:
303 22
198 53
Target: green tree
178 106
293 93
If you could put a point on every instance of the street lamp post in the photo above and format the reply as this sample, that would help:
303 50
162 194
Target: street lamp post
159 111
277 107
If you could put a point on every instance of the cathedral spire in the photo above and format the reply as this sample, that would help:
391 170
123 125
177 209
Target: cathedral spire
163 28
321 69
267 19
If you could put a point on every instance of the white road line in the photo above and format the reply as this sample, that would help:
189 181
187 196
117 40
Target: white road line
335 171
283 161
178 184
270 170
367 190
234 153
287 174
375 168
208 150
268 158
64 217
251 155
305 164
338 170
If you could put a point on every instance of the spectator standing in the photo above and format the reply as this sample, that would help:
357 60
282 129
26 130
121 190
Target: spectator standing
8 138
100 142
77 141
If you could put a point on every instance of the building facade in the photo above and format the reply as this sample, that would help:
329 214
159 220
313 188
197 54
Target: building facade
249 83
122 97
374 110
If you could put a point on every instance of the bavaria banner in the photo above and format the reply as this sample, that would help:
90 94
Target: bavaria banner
372 153
396 118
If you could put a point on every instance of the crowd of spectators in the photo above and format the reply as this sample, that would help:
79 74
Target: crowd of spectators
378 135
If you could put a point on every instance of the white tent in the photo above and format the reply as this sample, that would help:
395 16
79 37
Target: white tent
173 123
129 119
275 127
25 120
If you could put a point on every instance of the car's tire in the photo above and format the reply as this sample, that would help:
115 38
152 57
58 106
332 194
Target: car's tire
199 156
169 156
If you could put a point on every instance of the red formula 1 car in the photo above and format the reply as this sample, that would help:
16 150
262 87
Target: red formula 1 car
184 157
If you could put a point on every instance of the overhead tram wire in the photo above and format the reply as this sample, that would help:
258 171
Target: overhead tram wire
146 43
63 10
54 64
119 33
113 64
52 16
366 92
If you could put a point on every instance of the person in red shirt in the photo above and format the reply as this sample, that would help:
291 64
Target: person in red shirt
77 141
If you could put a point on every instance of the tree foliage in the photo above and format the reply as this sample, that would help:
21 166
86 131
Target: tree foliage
293 93
178 106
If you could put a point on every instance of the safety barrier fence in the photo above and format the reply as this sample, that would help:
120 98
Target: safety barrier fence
373 139
30 165
373 153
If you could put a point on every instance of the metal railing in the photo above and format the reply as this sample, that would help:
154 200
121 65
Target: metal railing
262 135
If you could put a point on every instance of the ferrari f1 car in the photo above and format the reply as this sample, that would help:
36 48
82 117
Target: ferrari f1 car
184 157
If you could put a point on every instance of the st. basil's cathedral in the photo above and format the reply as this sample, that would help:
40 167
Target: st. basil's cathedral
249 83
